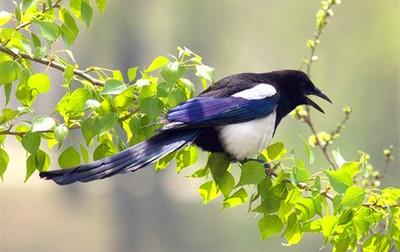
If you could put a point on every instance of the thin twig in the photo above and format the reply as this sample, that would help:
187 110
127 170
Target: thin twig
309 62
52 64
340 125
323 147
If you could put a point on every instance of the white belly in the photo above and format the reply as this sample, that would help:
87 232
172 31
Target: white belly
247 139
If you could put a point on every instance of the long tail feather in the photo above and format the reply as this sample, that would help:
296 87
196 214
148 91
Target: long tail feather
129 160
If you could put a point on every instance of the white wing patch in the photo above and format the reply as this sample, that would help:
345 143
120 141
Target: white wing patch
247 139
258 92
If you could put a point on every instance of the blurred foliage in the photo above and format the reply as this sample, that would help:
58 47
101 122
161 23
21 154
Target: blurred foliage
114 109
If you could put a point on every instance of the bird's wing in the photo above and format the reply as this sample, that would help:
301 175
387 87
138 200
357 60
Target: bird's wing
205 111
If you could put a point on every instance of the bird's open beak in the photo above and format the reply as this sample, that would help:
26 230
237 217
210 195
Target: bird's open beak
318 93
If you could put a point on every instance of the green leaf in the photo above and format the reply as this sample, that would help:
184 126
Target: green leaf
113 87
7 92
162 163
306 207
69 158
84 153
132 72
152 107
293 232
39 83
31 142
205 72
176 96
343 177
351 167
236 199
39 161
61 133
337 156
89 129
86 12
339 180
105 149
75 6
157 63
69 29
74 102
300 173
96 126
270 225
8 115
309 152
269 204
186 157
48 30
328 224
346 217
172 72
253 172
353 197
208 191
9 72
92 104
226 183
42 124
101 4
26 4
200 173
5 17
383 243
4 159
275 151
218 164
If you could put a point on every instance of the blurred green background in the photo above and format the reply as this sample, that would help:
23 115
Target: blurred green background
359 66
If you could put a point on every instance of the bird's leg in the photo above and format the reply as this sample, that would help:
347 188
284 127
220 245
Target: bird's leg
264 163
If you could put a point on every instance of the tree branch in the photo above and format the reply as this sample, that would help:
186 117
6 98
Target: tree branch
52 64
21 134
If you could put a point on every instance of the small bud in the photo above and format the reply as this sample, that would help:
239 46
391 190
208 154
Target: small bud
347 110
311 43
314 58
312 140
376 183
335 136
322 137
388 153
300 113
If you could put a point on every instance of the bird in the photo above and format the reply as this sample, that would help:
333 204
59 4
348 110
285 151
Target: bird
237 115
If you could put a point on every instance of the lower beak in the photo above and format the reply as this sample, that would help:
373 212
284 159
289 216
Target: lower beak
310 102
318 93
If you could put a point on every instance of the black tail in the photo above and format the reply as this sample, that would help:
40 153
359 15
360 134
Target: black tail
129 160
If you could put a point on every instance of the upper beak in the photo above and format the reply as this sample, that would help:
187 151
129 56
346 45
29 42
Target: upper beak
323 96
318 93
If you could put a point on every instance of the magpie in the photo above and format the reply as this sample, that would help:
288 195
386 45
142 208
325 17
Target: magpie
238 115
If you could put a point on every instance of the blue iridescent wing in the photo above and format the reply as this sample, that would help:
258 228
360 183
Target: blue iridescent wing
211 111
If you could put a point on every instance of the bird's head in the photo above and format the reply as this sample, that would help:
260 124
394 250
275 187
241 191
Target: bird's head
297 86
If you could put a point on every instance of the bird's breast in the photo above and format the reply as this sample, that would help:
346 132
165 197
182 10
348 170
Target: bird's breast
247 139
